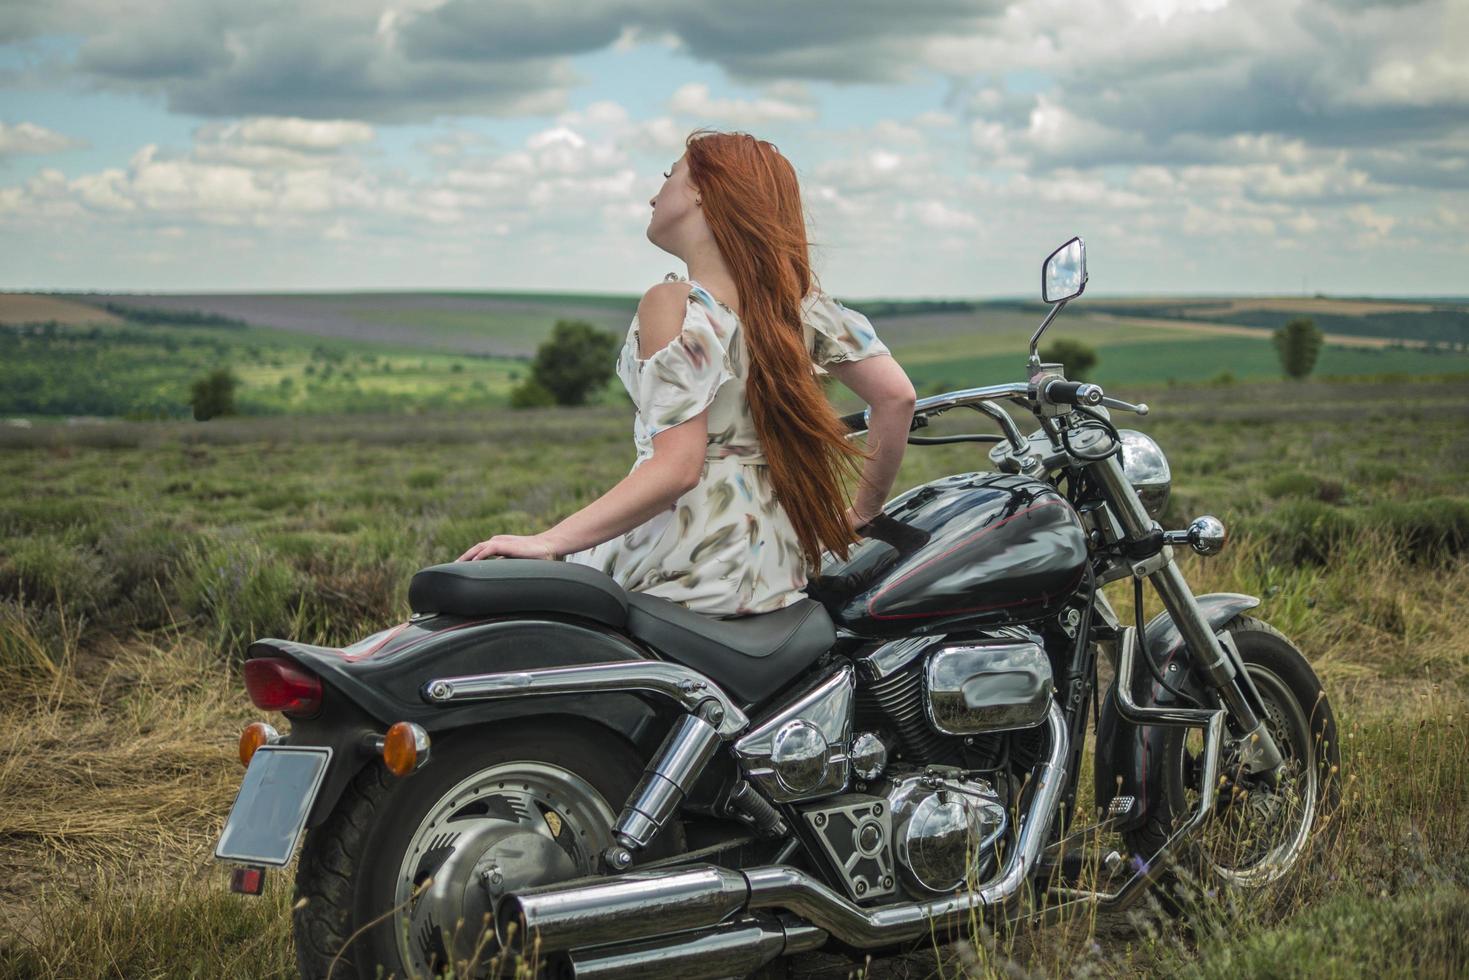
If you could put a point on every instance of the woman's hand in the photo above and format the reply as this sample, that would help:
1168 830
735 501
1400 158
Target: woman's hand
856 520
513 546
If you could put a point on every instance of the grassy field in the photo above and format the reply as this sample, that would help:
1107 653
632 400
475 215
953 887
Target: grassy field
410 352
137 559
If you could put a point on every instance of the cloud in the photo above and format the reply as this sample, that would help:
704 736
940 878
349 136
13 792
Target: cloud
694 99
419 60
29 138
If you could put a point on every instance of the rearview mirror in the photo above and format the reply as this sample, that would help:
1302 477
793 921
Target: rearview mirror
1063 276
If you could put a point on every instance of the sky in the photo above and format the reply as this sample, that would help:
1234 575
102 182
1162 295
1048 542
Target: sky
943 146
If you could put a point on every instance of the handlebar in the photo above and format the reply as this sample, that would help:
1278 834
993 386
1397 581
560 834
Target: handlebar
1071 393
1055 390
935 404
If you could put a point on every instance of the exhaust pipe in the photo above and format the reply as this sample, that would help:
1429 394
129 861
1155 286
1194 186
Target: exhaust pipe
645 905
735 949
628 907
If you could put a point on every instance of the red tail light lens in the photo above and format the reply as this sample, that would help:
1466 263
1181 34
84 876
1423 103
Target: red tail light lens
277 684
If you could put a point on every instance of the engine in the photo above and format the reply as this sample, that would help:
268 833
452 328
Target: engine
934 719
931 724
929 833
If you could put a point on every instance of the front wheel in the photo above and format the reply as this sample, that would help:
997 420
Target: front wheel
1257 831
404 876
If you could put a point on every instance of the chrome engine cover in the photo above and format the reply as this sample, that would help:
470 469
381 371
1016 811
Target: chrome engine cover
944 829
977 688
800 751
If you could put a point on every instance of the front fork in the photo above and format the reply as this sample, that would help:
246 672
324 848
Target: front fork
1217 661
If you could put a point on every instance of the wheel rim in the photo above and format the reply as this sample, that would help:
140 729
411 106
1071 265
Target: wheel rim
1257 832
502 829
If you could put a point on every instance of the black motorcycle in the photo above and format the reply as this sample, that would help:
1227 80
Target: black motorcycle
540 763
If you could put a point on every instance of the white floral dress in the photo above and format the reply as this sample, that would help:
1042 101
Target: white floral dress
726 547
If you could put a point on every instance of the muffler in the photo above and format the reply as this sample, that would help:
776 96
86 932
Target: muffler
628 907
647 905
734 949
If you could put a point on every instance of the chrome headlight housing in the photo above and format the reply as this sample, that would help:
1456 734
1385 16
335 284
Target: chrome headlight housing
1146 468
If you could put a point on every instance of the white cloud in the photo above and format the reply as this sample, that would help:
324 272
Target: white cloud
300 134
29 138
694 99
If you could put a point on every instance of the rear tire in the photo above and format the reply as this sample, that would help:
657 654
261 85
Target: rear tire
1257 838
431 844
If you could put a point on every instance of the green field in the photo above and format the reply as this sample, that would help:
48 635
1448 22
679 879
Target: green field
413 352
139 558
1204 358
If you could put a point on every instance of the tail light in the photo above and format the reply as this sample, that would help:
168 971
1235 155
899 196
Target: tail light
277 684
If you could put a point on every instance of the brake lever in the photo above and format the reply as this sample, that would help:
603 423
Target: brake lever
1141 408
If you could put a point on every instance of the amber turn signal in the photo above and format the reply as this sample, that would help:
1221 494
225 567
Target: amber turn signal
405 748
256 734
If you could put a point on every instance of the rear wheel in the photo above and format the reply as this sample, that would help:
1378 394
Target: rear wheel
1257 831
404 876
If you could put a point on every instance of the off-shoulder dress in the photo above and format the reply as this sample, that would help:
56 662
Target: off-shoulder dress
726 547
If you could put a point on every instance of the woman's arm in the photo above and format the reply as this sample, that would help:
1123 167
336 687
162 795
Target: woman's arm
674 468
883 384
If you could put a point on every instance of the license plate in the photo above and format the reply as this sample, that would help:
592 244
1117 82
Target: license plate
275 797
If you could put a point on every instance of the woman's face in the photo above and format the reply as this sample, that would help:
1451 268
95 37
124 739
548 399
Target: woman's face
677 221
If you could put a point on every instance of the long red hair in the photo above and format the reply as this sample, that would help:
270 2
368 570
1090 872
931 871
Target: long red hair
752 204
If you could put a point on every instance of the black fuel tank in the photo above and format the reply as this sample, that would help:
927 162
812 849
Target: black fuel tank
978 549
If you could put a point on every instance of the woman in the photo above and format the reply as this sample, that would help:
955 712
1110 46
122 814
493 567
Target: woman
737 488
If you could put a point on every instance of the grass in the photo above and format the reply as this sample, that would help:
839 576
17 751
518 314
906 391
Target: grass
129 586
1202 358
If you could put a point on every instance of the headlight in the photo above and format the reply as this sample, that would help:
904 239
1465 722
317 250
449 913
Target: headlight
1146 469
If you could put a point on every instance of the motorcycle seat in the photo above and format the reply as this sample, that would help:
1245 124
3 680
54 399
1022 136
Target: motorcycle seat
751 657
515 585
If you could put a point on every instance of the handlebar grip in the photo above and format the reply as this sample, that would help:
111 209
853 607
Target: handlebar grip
856 422
1072 393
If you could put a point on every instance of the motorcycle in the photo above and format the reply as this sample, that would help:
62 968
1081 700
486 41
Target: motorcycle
538 763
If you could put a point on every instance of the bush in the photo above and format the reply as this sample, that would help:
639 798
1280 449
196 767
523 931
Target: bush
213 395
242 591
1076 358
530 393
576 359
1299 344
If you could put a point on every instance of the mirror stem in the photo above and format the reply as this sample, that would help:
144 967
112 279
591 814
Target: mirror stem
1035 360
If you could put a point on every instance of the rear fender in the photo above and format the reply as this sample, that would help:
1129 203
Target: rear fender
377 682
1135 753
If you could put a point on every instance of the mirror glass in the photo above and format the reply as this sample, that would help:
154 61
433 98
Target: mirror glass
1064 274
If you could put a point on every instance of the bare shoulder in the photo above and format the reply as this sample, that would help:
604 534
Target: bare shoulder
661 315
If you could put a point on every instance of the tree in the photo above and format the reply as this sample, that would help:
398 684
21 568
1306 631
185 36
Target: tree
1298 343
1075 357
576 359
530 393
214 394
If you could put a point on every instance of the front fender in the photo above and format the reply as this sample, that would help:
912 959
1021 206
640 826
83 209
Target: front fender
376 682
1129 757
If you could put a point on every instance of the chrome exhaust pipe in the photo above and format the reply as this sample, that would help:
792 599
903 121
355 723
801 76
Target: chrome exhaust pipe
632 906
735 949
645 905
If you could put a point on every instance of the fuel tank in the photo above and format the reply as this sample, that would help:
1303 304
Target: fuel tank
981 549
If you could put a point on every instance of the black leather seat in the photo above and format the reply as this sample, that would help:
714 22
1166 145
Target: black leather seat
513 585
751 657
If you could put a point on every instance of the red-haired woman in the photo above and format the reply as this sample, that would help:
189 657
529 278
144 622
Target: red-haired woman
737 488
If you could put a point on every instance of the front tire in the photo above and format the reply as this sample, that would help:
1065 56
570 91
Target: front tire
402 878
1257 833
